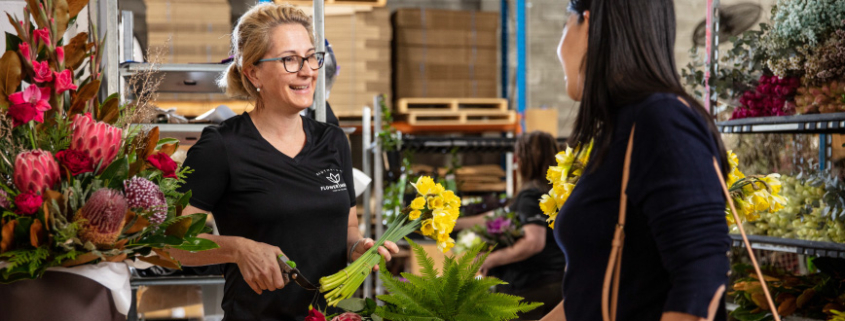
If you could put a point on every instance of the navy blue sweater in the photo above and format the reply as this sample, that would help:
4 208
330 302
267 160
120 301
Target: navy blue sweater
676 242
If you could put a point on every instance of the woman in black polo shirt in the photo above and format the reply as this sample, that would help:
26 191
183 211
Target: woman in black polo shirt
276 182
534 265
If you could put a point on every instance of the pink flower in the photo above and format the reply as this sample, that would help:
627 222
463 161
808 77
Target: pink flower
348 316
43 35
27 203
29 104
60 53
25 52
42 71
64 81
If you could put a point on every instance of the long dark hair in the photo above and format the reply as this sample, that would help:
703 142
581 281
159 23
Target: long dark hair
536 152
630 56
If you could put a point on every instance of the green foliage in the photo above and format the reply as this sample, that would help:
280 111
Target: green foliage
55 138
387 135
457 295
23 262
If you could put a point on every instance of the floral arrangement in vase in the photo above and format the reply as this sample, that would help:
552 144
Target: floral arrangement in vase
802 51
79 184
432 213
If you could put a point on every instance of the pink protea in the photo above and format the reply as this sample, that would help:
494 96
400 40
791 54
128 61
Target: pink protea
99 140
36 171
102 216
144 194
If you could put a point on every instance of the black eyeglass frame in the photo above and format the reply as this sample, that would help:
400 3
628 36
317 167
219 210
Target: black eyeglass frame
321 59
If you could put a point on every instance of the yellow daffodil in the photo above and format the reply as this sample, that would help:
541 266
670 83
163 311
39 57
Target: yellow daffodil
415 214
454 213
733 161
446 246
773 181
562 191
776 203
451 199
565 158
435 202
418 203
438 189
551 220
427 227
760 200
442 237
554 174
424 185
584 157
547 204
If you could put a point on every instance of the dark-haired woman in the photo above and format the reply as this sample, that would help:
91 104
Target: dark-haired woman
618 60
533 266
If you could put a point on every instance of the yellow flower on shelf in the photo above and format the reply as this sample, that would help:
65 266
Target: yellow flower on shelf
425 185
760 200
773 181
418 203
415 214
733 160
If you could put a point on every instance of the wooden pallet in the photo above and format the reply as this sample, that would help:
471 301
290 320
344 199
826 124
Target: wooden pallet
407 105
306 3
459 117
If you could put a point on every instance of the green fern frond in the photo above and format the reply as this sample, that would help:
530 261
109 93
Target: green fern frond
426 262
457 295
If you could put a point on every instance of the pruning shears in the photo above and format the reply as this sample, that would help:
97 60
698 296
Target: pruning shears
289 271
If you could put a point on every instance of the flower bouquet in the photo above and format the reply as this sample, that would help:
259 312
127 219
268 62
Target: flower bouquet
502 229
78 183
570 165
433 213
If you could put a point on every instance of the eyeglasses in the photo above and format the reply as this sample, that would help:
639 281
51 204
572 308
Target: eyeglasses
293 64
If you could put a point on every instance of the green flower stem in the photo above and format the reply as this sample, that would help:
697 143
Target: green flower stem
342 285
32 134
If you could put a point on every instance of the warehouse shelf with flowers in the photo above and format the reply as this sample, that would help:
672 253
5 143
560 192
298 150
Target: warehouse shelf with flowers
793 66
78 184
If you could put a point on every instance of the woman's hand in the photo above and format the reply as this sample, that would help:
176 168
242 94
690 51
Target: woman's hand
386 250
490 263
259 265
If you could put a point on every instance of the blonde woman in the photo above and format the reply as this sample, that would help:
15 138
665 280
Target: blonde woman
276 182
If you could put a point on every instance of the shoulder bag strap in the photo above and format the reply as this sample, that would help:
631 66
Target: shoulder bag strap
610 288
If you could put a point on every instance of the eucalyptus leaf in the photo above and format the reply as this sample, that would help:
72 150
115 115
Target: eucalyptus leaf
165 141
353 305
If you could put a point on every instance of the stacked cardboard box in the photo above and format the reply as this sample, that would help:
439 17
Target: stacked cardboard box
440 53
190 31
360 38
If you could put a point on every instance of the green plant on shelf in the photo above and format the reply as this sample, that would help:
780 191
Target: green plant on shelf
387 136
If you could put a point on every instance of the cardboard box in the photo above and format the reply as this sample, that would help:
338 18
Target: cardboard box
447 88
446 71
544 120
446 38
446 19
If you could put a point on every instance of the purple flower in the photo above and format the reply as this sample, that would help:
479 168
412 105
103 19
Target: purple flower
498 225
4 200
144 194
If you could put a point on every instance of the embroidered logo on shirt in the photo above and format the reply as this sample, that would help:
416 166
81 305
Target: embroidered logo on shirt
333 176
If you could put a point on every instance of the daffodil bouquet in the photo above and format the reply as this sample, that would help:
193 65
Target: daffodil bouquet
433 213
752 195
563 177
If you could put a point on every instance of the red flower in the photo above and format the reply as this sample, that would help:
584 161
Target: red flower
315 315
22 114
42 71
43 35
64 81
75 161
27 203
28 105
25 52
60 53
348 316
164 163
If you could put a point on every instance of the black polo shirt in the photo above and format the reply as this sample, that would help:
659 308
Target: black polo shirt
541 268
299 204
